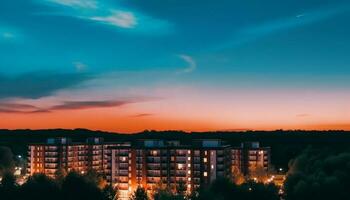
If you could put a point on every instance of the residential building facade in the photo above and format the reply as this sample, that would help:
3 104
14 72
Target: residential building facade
151 164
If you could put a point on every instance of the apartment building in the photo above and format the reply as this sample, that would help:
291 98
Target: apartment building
154 164
250 158
151 164
62 155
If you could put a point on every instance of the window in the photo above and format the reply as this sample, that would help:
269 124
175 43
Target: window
205 174
205 160
154 153
180 166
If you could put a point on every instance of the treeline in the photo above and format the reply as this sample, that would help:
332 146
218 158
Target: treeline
73 186
319 173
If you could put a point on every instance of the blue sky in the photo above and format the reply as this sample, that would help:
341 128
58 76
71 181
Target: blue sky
57 51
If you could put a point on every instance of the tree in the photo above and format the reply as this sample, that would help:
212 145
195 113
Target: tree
252 190
76 186
8 187
181 189
318 174
110 193
7 163
40 187
139 194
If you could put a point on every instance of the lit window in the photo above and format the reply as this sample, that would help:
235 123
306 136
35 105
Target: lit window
212 166
188 151
205 153
188 165
189 172
180 166
205 174
189 179
189 158
205 160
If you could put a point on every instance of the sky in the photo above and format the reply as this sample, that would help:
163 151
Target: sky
192 65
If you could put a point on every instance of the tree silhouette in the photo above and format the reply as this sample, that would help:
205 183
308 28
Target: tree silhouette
8 187
76 186
139 194
7 163
110 193
40 187
319 174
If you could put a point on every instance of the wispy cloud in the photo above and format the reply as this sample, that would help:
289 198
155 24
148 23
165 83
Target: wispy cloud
142 115
254 32
118 18
111 14
303 115
38 84
79 66
25 108
78 105
8 35
300 15
192 65
8 107
76 3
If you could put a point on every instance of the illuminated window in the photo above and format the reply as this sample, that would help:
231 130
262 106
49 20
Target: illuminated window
189 179
188 151
188 165
189 158
212 166
189 172
205 153
180 166
205 174
205 160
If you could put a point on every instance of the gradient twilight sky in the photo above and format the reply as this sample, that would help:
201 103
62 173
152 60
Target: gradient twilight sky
194 65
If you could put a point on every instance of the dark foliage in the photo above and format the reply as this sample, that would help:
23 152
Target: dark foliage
319 174
76 186
40 187
7 163
139 194
8 187
223 189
